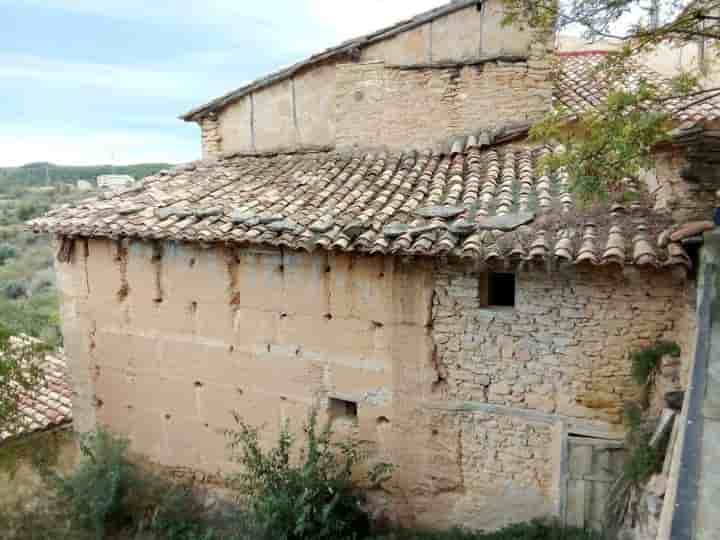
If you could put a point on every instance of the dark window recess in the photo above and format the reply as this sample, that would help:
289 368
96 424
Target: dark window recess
693 251
497 289
339 408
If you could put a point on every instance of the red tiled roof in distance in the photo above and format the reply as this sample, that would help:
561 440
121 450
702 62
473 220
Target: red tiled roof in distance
49 404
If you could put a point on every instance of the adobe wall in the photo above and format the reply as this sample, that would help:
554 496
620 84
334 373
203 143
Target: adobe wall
471 404
303 111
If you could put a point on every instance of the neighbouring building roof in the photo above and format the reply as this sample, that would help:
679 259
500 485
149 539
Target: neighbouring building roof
467 202
580 87
49 404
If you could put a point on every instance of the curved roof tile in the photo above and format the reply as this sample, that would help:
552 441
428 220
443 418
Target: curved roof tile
436 202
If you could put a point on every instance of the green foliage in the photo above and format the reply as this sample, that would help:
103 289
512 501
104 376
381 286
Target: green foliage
614 142
28 300
7 252
312 496
607 146
107 496
642 462
536 530
19 373
178 516
645 362
14 290
36 174
96 492
30 210
36 316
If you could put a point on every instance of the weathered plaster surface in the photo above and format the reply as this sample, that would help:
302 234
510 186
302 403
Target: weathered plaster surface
468 402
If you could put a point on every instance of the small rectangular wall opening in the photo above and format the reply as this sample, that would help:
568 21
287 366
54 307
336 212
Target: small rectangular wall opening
497 289
342 409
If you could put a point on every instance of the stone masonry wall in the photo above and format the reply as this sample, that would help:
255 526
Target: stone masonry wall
211 137
564 348
470 404
687 201
402 108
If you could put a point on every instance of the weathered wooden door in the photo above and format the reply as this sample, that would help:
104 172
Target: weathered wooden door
591 468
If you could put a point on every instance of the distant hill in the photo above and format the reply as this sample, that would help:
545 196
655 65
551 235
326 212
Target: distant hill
41 173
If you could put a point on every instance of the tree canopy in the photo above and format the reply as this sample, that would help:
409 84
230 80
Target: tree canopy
612 143
20 373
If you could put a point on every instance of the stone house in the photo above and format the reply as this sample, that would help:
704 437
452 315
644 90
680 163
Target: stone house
367 233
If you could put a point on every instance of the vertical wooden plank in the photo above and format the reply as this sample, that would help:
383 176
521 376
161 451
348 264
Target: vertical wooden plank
562 469
576 503
592 467
580 467
599 472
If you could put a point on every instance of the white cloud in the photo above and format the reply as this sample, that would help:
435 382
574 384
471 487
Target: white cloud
352 19
120 78
190 12
21 145
296 26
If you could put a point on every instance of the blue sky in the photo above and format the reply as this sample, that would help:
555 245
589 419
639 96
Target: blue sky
101 81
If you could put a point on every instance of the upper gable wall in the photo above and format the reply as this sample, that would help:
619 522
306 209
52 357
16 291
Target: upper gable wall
302 112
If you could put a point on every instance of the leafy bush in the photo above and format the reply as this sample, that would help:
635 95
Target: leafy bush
96 492
7 252
310 497
642 462
645 362
29 210
43 281
14 290
20 373
535 530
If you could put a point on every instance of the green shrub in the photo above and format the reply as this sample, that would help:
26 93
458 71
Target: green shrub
311 497
535 530
642 462
96 491
645 362
31 209
43 281
7 252
178 515
14 290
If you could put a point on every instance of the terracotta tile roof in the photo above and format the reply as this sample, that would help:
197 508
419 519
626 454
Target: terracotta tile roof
426 203
49 404
580 88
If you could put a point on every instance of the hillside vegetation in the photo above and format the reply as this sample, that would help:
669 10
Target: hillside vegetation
42 173
28 298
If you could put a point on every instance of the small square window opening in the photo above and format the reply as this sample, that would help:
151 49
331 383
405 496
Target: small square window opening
340 408
497 289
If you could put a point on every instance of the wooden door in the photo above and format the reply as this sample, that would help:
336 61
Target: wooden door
590 469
